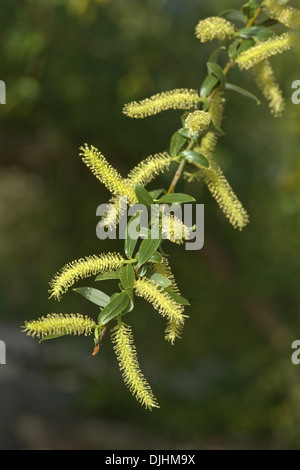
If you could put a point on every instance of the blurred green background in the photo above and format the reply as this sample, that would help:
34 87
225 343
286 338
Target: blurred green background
69 67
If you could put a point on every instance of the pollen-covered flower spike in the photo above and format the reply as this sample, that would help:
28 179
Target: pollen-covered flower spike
224 195
173 328
266 82
214 28
173 331
159 299
174 229
286 15
197 122
146 170
59 325
175 99
105 173
81 269
263 50
125 350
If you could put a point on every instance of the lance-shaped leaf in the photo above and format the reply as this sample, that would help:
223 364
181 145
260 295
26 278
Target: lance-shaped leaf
117 305
93 295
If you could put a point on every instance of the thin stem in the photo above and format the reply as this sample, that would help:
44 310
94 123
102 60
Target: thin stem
178 171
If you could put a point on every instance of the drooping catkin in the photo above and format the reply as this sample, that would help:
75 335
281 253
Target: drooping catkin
81 269
266 82
263 50
159 299
125 350
214 28
286 15
216 111
59 325
173 329
181 98
224 195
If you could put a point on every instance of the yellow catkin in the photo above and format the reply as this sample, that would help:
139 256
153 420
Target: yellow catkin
173 329
164 269
174 99
214 28
286 15
197 122
81 269
263 50
60 324
105 173
224 195
216 111
145 171
266 82
128 362
174 229
159 299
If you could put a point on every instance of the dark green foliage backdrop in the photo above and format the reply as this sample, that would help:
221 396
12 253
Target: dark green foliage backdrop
69 67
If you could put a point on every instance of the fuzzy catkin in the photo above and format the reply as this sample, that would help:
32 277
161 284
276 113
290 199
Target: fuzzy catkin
175 99
146 170
125 350
197 122
159 299
59 325
105 173
266 82
81 269
286 15
263 50
224 195
214 28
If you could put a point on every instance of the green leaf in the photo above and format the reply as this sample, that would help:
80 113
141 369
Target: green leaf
45 338
148 248
214 56
93 295
117 305
268 22
143 195
233 49
216 70
184 133
177 142
237 89
108 276
208 85
245 45
257 32
130 243
158 278
195 158
176 198
156 193
127 276
233 15
156 258
177 298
